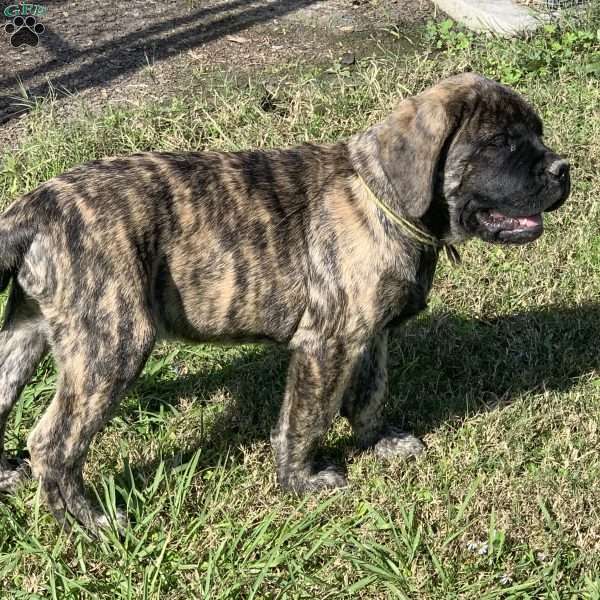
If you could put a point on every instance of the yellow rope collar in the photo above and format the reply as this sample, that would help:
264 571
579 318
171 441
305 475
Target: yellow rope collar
410 229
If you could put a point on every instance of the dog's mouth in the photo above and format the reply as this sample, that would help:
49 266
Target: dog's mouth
500 227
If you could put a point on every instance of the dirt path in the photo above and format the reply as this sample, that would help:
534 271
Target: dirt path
109 52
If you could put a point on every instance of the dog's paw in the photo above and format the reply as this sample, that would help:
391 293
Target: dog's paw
66 500
93 524
12 473
327 478
330 477
398 444
101 522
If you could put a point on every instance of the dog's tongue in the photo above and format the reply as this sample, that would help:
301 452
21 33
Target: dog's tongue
530 222
520 222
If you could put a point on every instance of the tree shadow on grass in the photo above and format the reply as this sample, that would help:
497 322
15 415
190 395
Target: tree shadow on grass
442 368
103 61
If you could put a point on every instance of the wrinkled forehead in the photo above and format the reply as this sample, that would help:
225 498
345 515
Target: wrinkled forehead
491 107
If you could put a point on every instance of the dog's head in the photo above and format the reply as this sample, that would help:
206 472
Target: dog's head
467 155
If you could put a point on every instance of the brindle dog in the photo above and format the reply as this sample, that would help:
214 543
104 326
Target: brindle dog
313 247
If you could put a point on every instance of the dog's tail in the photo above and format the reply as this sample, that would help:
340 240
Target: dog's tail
16 235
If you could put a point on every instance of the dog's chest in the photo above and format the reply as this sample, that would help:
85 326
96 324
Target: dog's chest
402 295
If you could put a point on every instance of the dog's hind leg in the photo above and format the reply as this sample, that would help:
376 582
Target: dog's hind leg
22 346
364 401
98 359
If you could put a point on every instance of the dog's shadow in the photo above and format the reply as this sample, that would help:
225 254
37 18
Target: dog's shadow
442 367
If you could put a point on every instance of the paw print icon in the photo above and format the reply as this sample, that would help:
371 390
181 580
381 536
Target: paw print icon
24 31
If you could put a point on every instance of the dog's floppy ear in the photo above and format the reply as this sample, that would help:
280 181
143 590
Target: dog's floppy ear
411 145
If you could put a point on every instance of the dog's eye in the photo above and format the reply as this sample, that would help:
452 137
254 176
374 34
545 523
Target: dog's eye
503 141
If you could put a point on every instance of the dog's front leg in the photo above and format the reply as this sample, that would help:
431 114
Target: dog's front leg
364 400
316 380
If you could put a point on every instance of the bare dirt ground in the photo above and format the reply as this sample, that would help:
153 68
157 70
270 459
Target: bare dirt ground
102 52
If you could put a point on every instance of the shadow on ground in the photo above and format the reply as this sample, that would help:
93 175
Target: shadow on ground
442 368
96 60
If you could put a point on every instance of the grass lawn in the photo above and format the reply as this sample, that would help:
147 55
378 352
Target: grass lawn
500 377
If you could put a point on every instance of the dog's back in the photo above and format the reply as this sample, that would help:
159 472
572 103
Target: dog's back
202 236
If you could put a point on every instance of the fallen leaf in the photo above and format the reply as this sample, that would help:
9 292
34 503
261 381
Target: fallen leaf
238 39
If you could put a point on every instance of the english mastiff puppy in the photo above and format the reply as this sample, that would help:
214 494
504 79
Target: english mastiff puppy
321 248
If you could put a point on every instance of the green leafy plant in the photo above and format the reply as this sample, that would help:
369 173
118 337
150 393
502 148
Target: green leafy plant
574 47
447 35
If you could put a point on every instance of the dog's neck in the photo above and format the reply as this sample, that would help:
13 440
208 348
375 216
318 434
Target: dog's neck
364 150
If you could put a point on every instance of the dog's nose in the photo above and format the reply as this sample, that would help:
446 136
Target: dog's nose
559 169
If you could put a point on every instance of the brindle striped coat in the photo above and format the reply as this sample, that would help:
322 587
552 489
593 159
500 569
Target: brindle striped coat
280 245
